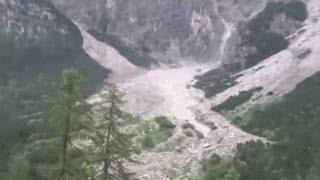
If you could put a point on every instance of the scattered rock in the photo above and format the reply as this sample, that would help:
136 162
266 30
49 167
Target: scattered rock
199 135
301 53
206 145
187 125
212 125
270 93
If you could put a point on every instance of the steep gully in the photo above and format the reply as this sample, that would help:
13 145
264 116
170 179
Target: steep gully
168 91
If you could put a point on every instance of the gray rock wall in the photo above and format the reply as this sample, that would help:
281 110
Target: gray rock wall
181 29
170 30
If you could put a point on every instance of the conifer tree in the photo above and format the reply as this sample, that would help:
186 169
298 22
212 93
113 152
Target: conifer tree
113 146
67 106
54 154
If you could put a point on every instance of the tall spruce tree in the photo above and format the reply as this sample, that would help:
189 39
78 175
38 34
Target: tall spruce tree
71 117
55 153
112 146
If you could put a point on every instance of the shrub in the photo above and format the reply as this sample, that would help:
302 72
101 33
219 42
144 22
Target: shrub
215 81
262 39
162 133
188 132
234 101
187 126
148 142
164 122
296 10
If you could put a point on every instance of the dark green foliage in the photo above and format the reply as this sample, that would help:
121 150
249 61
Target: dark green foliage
156 135
265 41
299 108
218 170
21 111
148 142
111 145
44 127
39 115
257 161
293 126
215 81
267 44
295 10
69 117
232 102
164 122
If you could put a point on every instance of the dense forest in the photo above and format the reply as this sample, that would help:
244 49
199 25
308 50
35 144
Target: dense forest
44 127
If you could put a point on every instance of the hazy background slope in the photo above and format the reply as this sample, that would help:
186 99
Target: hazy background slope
36 39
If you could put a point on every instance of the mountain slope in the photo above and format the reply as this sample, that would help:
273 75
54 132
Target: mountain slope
169 31
36 39
109 58
280 73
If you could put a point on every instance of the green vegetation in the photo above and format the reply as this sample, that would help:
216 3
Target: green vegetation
48 133
47 151
234 101
295 10
22 60
188 132
265 41
111 144
154 135
218 170
215 81
292 124
164 123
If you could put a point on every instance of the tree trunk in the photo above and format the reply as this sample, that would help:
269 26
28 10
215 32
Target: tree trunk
107 161
65 141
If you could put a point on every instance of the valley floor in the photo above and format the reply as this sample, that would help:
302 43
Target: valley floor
169 92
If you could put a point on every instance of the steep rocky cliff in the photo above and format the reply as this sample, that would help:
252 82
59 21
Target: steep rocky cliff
208 30
36 39
166 30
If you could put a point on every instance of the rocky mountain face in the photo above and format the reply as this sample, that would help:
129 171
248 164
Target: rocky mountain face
209 30
36 39
149 33
265 34
165 30
266 47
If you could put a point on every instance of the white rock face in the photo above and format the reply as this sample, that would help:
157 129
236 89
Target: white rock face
191 29
109 58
